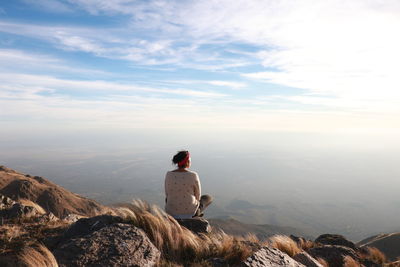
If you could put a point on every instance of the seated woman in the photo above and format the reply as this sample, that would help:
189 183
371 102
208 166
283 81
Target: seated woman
183 190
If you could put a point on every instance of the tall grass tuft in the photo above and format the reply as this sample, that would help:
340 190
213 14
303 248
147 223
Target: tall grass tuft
36 256
373 254
393 264
350 262
180 245
323 262
285 244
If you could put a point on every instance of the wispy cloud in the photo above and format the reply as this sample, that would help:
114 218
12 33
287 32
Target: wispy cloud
123 44
51 83
53 6
25 62
334 47
219 83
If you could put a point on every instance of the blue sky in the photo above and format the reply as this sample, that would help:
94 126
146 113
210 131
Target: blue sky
271 65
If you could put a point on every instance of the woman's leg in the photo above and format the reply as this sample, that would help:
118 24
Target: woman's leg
205 201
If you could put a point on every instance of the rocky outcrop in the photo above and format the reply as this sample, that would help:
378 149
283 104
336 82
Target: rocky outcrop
18 211
196 225
387 243
11 210
71 218
6 202
339 240
307 260
333 254
270 257
113 245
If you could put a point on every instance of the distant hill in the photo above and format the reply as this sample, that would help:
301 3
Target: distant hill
262 231
387 243
53 198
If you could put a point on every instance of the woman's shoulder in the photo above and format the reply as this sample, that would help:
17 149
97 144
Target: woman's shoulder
184 173
193 173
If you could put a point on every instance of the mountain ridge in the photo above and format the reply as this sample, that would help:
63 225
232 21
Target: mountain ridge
48 195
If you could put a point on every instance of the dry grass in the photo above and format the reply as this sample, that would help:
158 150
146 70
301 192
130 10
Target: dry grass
350 262
252 238
306 244
13 237
10 232
285 244
180 245
37 256
375 255
323 262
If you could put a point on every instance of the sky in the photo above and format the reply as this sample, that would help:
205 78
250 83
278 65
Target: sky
312 66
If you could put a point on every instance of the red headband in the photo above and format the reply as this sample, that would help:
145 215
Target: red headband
183 162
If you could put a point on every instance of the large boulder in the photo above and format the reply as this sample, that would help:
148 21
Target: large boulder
113 245
86 226
339 240
334 255
270 257
196 225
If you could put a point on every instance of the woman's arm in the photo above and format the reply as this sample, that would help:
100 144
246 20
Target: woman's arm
165 188
197 188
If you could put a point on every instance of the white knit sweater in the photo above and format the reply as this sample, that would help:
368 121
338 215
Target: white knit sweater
182 190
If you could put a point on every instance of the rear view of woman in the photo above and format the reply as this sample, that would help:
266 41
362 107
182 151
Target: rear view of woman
183 190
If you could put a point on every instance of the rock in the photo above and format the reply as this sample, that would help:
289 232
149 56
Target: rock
113 245
9 259
196 225
45 218
307 260
5 169
6 202
88 225
10 209
297 239
334 255
71 218
18 210
330 239
368 263
218 262
270 257
40 179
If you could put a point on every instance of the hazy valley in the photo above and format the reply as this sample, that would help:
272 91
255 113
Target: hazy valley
305 182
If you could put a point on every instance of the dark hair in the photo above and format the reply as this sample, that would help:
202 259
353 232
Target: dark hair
179 156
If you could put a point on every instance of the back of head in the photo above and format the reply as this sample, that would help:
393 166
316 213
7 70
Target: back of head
181 157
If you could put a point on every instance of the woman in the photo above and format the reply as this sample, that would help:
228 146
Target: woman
183 190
